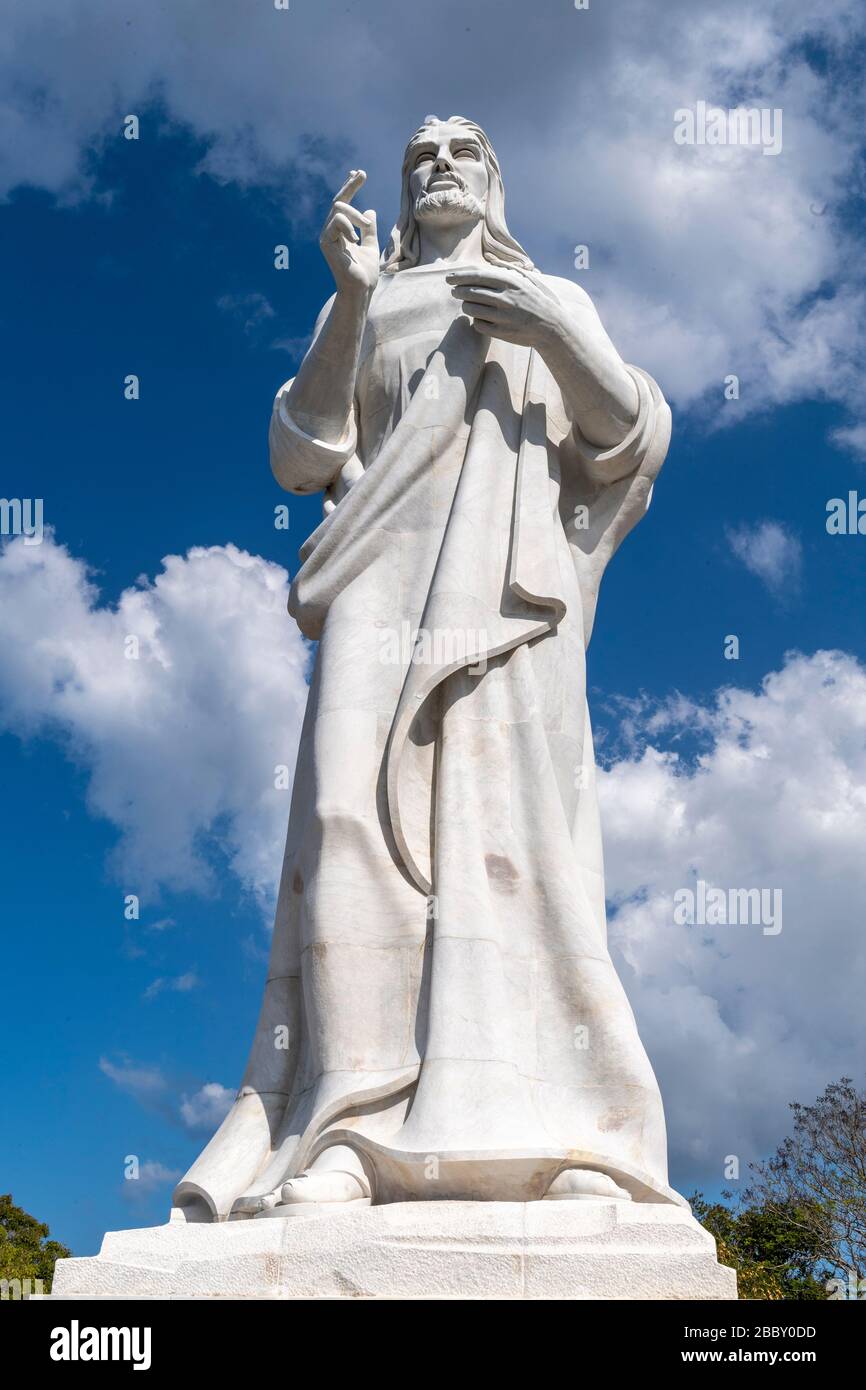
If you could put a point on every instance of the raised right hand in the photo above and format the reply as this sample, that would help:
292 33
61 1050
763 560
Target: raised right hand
353 258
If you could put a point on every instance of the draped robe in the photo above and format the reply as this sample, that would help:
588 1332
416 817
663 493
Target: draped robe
439 976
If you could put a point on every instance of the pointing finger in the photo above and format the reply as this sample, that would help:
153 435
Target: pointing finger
357 178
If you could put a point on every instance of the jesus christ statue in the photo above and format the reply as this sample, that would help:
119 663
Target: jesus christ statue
441 1017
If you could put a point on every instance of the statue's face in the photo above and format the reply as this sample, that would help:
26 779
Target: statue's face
448 177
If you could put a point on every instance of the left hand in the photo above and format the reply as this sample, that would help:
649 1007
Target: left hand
507 304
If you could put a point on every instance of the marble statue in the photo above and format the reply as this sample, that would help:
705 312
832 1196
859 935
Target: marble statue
442 1019
446 1094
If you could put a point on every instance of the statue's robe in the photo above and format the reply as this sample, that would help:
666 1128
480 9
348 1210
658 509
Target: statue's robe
440 994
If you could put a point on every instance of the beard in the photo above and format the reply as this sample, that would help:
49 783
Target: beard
445 203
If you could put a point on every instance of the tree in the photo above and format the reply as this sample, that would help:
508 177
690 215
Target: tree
25 1250
816 1180
801 1221
773 1257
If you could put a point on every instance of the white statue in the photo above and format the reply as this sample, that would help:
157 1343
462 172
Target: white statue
442 1018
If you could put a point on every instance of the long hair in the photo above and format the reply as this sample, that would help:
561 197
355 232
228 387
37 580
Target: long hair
497 244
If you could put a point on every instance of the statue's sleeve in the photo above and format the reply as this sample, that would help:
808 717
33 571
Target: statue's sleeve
299 462
605 492
602 466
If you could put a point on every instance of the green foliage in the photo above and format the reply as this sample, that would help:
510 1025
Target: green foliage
772 1250
25 1250
802 1219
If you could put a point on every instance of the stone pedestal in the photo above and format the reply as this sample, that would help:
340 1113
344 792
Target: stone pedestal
585 1249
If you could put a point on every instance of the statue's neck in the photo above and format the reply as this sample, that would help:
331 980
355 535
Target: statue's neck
451 244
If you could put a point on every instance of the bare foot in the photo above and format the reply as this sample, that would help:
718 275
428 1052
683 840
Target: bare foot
251 1204
324 1187
582 1183
336 1176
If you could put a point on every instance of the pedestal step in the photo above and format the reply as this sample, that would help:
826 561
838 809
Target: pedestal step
579 1249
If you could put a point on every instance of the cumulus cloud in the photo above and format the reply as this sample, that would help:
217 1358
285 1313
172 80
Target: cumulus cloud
180 701
770 552
150 1177
207 1108
199 1111
706 260
739 1022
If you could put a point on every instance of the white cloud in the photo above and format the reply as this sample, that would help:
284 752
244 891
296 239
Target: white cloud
769 551
145 1084
177 984
208 1107
738 1022
295 347
706 260
180 744
151 1176
852 437
199 1111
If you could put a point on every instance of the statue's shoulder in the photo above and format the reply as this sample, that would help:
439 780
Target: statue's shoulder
568 291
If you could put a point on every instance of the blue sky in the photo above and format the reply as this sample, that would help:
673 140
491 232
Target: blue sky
155 257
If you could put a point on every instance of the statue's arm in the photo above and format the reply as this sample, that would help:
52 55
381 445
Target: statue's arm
598 390
313 433
321 395
558 319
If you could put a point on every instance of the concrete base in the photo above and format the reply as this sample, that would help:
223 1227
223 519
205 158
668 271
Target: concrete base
591 1249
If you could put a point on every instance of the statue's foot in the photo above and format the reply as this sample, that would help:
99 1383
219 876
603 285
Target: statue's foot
577 1183
336 1176
308 1187
250 1204
324 1187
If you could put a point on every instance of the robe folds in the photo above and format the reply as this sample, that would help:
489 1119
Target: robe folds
440 978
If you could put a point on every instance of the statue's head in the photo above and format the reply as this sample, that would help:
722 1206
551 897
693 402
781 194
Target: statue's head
451 175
